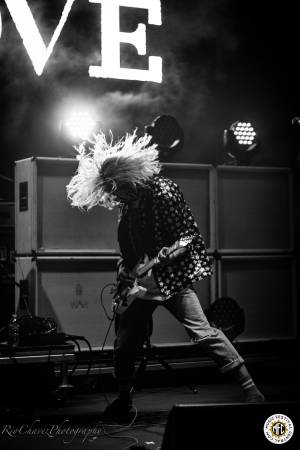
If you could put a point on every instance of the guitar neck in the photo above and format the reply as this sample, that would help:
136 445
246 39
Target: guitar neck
148 266
153 262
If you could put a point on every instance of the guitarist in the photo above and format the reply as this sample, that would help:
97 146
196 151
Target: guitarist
153 216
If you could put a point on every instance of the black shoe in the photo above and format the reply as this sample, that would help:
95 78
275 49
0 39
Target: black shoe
118 408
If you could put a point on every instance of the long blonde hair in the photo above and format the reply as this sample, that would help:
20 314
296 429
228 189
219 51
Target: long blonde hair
104 165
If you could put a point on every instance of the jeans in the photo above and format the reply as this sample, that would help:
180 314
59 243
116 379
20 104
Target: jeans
185 306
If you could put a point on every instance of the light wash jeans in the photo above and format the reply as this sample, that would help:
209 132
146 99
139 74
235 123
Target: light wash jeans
185 306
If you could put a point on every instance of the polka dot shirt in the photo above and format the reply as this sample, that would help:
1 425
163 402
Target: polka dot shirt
161 218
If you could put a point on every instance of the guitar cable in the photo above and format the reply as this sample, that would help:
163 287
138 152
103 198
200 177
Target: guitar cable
101 300
111 320
79 351
75 339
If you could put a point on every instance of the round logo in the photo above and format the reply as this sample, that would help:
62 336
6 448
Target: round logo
278 428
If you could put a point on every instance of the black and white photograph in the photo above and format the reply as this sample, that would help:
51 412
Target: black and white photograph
149 217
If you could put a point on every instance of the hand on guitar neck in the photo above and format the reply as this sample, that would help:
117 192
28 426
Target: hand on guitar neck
128 288
168 255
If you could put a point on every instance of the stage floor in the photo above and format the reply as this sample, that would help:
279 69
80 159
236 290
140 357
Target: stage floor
78 420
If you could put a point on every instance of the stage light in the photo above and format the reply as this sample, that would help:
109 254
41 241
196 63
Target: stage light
79 125
167 134
241 142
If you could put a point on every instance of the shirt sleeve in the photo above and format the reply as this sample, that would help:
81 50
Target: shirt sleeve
176 222
177 219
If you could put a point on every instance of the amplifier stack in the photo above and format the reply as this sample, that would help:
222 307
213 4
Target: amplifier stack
68 257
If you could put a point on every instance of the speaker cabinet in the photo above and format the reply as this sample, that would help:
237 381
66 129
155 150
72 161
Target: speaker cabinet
68 289
218 426
46 223
254 209
197 184
240 211
265 287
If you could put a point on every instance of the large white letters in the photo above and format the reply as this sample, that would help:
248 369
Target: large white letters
33 42
39 53
111 38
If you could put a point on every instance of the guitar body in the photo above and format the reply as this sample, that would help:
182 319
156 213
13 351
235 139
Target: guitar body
123 298
122 301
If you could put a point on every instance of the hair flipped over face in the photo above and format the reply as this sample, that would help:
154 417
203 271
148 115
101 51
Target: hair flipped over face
104 166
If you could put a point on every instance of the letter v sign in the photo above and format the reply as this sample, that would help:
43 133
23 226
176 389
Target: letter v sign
29 32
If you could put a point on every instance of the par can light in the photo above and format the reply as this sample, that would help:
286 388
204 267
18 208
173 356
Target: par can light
240 142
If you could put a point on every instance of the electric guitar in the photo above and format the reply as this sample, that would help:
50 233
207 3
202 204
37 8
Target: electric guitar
123 298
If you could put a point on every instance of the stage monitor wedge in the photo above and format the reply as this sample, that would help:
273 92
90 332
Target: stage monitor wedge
226 425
